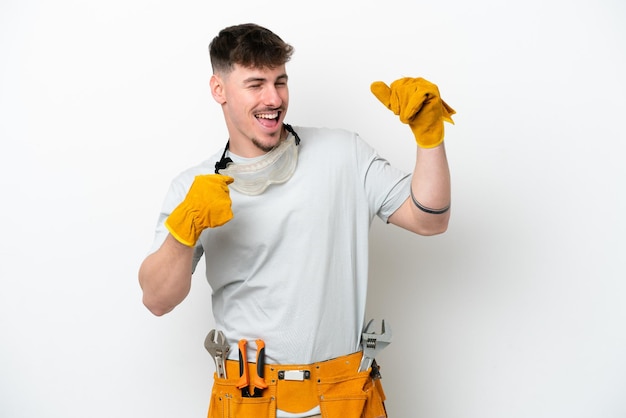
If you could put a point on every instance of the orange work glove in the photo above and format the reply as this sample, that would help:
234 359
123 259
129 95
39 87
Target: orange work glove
206 205
418 104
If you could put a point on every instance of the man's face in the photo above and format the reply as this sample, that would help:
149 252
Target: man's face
254 102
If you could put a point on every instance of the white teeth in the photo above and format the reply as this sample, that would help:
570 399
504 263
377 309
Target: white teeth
267 116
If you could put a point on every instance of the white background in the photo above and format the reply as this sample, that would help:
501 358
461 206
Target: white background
518 311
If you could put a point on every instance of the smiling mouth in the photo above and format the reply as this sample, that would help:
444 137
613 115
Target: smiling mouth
269 120
268 115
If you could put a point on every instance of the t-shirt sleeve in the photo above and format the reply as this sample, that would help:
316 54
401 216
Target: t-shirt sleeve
175 194
387 187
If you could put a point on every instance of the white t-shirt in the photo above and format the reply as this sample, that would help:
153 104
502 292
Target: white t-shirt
291 267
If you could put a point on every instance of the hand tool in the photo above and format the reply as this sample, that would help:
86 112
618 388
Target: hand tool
258 381
218 347
373 343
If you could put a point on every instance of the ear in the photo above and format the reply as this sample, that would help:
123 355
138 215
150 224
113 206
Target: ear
217 88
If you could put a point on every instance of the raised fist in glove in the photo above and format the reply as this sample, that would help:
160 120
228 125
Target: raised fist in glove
419 105
206 205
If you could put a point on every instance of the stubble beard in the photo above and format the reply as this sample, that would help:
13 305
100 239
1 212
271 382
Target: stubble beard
266 147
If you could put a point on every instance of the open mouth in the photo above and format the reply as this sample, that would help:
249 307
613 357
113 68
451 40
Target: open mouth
268 119
270 115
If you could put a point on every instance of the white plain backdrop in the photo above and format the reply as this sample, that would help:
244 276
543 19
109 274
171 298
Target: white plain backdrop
518 311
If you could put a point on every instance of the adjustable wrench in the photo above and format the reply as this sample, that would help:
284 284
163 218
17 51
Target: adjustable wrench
373 343
218 347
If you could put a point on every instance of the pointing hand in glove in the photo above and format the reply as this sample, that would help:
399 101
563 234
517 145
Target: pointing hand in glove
206 205
419 105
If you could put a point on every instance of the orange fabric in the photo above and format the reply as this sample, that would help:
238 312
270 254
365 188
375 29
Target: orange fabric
417 102
335 385
207 205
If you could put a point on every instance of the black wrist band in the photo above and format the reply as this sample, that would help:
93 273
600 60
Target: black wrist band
425 209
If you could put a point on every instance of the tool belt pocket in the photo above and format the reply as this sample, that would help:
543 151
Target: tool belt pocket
227 402
357 396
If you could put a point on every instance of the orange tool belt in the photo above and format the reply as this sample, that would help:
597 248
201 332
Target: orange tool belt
335 385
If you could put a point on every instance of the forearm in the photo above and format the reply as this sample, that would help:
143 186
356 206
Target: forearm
418 103
165 276
431 178
431 189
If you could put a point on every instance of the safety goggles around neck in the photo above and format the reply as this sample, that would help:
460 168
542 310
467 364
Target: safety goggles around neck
253 177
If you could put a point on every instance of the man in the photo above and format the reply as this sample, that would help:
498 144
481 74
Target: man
282 217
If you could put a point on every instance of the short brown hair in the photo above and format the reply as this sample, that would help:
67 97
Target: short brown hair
248 45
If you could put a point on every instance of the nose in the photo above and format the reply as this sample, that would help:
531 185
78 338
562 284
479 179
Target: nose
271 97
